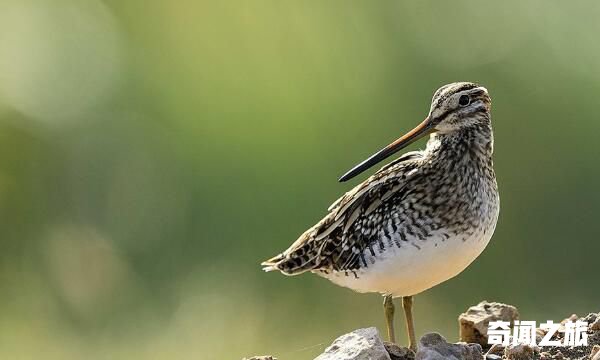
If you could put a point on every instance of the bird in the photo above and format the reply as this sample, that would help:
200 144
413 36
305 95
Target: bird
418 221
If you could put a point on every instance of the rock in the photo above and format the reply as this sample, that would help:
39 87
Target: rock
398 352
496 349
595 355
474 323
519 352
571 318
595 326
361 344
545 356
561 329
539 335
493 357
364 344
434 346
590 318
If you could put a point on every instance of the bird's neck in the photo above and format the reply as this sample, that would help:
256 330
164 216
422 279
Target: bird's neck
474 144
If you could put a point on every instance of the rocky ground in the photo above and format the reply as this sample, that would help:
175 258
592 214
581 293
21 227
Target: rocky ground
366 344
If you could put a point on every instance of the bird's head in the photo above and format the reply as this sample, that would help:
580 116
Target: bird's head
457 106
454 107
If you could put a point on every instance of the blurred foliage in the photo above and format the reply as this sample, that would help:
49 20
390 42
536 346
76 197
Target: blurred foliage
152 153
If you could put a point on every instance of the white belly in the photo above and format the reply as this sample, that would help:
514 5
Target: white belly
417 265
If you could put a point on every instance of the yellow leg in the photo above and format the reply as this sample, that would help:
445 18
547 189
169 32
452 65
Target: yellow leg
407 303
388 309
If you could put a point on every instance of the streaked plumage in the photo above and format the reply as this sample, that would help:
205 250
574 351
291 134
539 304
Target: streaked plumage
419 220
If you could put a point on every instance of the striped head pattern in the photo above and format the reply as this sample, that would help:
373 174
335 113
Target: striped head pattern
459 105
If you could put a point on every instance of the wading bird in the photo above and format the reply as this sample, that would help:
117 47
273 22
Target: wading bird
420 220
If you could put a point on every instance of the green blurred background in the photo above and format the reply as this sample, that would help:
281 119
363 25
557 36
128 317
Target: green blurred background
152 153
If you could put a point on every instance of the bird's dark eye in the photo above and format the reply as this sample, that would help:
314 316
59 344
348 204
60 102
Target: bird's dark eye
464 100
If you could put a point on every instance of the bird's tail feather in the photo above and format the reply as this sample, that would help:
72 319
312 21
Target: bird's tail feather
272 263
280 263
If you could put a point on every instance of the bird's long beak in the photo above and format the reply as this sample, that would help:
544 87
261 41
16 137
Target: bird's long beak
424 128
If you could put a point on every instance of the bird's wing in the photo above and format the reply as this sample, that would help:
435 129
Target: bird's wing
336 243
402 160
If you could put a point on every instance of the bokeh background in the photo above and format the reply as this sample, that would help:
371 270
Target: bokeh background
152 153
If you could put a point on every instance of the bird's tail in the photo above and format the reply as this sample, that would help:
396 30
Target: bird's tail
285 264
273 263
297 259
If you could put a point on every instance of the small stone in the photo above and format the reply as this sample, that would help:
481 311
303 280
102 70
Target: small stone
361 344
590 318
474 322
493 357
433 346
545 356
558 356
595 354
496 349
539 335
571 318
595 326
398 352
562 328
519 352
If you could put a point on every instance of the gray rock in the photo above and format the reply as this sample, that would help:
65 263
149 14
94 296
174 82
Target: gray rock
361 344
474 323
398 352
434 346
519 352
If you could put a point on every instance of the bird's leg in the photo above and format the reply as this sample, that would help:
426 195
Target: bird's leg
388 309
407 302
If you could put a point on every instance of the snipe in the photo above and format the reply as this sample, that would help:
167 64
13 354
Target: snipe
420 220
